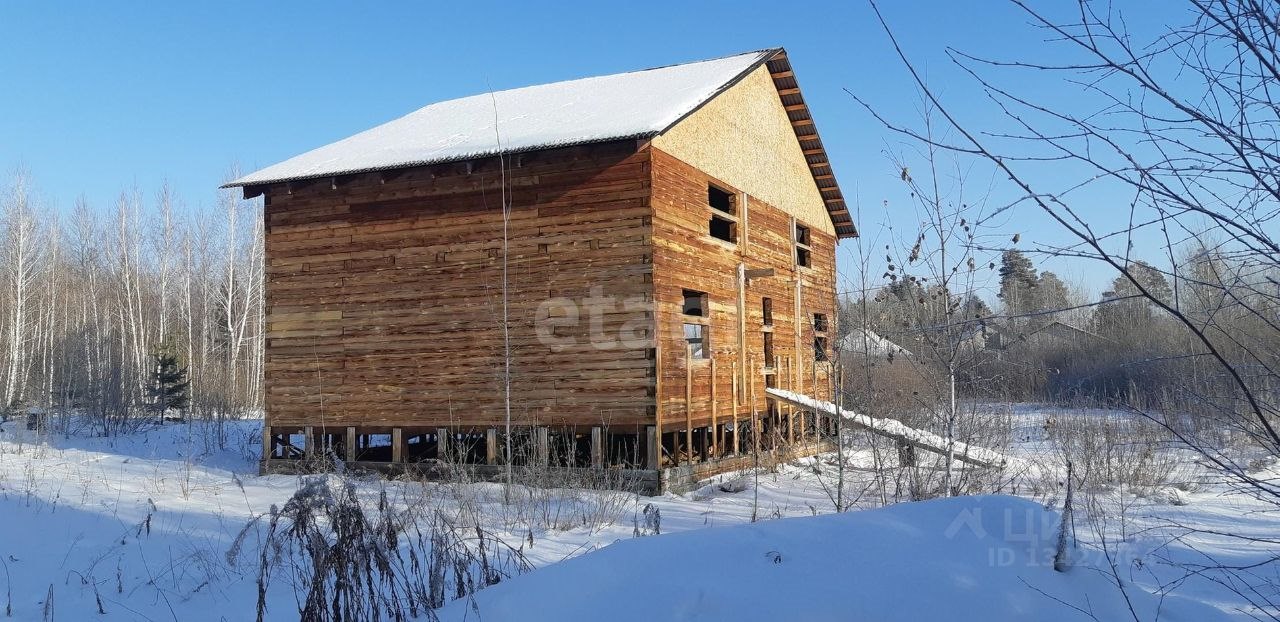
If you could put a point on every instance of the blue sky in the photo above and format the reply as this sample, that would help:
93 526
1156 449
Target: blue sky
99 97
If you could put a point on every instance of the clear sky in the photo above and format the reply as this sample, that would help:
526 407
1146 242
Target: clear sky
96 97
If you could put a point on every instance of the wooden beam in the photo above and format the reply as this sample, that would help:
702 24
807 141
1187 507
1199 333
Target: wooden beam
653 447
443 444
397 445
491 446
802 122
797 296
800 106
783 367
597 447
542 444
977 456
308 442
268 446
737 432
751 401
715 428
758 273
657 398
789 91
688 400
783 74
742 327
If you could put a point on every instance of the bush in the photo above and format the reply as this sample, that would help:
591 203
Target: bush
350 563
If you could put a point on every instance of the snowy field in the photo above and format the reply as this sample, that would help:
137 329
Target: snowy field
152 527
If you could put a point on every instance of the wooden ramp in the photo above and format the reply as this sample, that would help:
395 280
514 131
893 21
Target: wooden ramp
928 441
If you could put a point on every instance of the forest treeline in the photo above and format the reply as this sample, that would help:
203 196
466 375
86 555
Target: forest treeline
1047 342
93 298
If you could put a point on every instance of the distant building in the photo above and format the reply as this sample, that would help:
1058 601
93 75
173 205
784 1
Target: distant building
1055 334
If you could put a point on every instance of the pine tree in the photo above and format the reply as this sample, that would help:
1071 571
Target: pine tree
1017 282
1130 311
975 308
1051 292
169 384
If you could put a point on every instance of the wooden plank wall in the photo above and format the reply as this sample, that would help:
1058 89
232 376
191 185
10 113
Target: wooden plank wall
685 256
385 293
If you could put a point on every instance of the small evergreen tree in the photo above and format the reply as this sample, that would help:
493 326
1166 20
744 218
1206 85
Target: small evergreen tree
1128 312
1051 293
169 384
1017 282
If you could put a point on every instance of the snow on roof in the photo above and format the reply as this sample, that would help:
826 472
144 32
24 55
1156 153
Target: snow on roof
614 107
860 341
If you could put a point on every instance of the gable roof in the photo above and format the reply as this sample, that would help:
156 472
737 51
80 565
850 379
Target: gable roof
637 104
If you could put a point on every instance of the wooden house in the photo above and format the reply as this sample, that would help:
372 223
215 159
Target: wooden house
616 267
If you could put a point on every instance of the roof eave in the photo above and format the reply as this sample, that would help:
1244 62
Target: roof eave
242 183
811 144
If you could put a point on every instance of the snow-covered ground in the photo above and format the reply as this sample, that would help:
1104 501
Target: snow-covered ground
145 527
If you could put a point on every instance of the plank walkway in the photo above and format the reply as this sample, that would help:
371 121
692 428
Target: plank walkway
928 441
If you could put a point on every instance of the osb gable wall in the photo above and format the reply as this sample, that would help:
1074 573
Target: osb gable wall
744 138
385 294
686 257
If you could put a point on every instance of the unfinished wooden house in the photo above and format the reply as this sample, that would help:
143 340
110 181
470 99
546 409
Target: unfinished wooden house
612 268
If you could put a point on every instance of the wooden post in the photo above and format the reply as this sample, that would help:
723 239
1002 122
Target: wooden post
799 331
813 384
751 401
655 450
737 405
350 444
653 447
742 326
785 407
491 446
688 400
397 445
308 442
443 444
715 428
597 447
268 443
542 442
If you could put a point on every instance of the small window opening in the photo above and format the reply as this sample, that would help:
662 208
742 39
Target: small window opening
723 229
723 224
803 252
802 235
820 327
695 303
766 310
720 200
696 336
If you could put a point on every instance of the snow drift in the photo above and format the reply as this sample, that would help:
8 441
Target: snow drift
968 558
